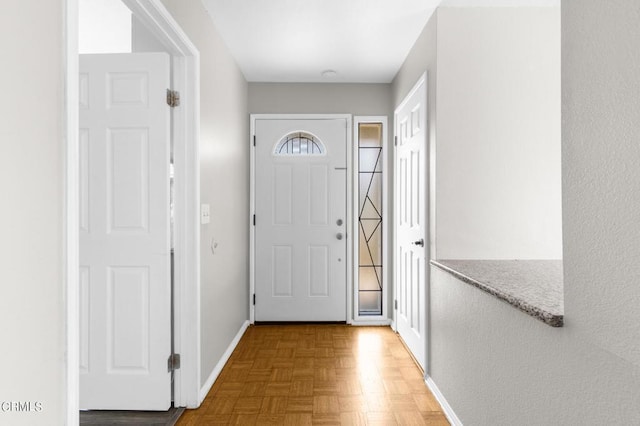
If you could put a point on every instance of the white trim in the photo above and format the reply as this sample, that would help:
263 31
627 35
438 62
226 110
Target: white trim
71 229
431 143
383 119
252 204
446 408
350 234
158 20
186 128
371 323
252 212
221 363
186 134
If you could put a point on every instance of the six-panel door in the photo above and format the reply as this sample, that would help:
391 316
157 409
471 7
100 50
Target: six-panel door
410 210
125 292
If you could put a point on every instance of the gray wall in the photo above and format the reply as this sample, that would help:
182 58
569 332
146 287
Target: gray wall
498 185
498 366
422 58
601 176
319 98
32 147
224 184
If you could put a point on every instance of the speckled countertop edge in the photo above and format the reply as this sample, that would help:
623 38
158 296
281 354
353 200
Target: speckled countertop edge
552 319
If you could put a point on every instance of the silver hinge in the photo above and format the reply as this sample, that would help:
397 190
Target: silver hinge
173 98
254 140
395 304
395 140
173 363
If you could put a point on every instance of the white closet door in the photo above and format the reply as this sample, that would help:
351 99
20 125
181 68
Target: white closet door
411 227
125 292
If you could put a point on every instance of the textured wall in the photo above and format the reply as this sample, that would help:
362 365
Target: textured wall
601 171
497 366
224 184
31 218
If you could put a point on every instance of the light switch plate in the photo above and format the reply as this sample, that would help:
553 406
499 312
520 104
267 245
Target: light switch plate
205 214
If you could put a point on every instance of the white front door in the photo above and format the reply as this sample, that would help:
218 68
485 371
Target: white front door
410 218
125 293
300 230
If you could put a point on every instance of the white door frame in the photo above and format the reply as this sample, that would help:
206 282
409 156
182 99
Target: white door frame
252 202
186 129
386 266
429 212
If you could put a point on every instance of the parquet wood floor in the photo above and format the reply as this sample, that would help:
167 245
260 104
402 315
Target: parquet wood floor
318 375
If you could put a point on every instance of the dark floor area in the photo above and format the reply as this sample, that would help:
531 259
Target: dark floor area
141 418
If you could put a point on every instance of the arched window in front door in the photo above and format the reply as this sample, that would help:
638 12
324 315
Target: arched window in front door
300 143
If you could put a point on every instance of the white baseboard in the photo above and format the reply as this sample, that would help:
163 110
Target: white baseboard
448 411
223 360
364 323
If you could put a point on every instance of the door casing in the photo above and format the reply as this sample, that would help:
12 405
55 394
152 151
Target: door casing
186 128
349 218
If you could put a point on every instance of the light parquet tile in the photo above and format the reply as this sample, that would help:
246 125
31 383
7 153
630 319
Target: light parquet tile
307 375
302 404
298 419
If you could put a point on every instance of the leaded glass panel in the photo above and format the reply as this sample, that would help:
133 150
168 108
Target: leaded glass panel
370 216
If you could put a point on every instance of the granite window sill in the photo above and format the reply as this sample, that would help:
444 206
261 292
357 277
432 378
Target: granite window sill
533 286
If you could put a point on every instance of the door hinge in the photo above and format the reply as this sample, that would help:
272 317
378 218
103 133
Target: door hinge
173 98
254 140
254 220
395 141
254 299
395 304
173 363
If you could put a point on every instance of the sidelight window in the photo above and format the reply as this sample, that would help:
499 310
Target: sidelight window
370 217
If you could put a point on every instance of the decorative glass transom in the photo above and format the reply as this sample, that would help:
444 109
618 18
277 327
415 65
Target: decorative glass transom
300 143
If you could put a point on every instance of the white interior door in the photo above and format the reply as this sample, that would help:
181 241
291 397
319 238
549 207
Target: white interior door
300 233
410 217
125 294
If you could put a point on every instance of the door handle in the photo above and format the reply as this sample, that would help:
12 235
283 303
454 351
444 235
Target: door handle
420 242
339 235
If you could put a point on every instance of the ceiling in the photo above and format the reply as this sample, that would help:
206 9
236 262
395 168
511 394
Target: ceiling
363 41
296 40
